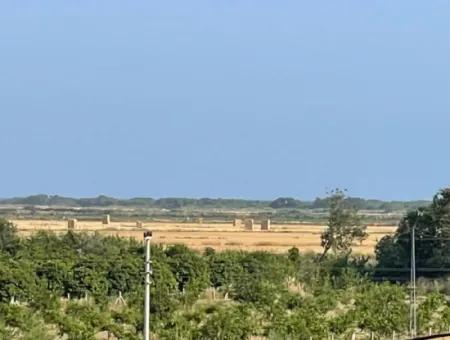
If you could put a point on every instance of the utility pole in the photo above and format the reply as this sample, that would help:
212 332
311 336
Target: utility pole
148 272
413 319
413 297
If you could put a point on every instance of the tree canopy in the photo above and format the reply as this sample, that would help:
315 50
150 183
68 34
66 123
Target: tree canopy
344 226
432 241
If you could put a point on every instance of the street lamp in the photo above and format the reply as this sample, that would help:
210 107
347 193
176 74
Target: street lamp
413 304
148 272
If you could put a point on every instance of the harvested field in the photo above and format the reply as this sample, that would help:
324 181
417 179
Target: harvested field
220 236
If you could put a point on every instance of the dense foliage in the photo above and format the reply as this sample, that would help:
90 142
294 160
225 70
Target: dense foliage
432 241
71 285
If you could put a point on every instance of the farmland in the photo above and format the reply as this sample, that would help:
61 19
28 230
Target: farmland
219 235
76 272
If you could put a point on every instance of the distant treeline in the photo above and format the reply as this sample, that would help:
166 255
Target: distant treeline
215 203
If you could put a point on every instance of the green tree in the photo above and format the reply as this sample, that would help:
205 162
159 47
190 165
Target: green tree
432 241
9 240
26 323
284 202
227 323
261 293
225 269
294 254
190 270
124 274
302 323
381 308
344 226
163 289
433 313
16 280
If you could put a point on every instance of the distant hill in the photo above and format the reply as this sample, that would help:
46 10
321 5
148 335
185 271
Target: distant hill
215 203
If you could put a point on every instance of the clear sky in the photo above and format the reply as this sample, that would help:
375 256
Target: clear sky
237 98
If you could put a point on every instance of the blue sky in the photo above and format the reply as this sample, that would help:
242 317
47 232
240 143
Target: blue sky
251 99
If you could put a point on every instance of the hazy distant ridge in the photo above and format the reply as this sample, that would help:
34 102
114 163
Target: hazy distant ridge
219 203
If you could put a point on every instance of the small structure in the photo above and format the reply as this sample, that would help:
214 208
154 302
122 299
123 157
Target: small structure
72 224
139 224
106 219
120 300
250 224
237 222
265 224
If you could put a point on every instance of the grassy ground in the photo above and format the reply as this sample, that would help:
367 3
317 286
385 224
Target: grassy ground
220 236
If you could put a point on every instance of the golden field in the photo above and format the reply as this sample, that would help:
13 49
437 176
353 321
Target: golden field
220 236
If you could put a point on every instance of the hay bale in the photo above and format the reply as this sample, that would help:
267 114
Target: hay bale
265 224
237 222
72 224
106 219
250 224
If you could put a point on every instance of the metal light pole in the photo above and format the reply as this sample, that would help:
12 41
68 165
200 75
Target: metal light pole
148 272
413 321
413 298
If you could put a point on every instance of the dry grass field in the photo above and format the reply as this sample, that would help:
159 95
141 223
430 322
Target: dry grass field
220 236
